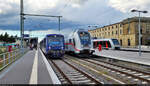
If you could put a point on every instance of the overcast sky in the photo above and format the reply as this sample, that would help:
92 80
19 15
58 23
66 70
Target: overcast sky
76 13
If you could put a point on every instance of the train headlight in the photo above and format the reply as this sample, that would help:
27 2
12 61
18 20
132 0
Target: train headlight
62 47
49 47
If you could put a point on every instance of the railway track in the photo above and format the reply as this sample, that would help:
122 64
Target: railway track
69 74
137 75
125 67
133 75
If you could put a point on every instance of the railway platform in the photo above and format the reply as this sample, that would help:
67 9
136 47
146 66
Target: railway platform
134 57
31 68
136 49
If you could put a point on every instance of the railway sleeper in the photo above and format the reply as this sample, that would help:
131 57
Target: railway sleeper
79 79
76 76
73 74
144 83
138 74
145 76
81 82
133 72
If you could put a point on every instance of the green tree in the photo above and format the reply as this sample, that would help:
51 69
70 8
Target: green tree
1 37
12 39
5 37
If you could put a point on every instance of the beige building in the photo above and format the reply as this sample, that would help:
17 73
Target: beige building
126 31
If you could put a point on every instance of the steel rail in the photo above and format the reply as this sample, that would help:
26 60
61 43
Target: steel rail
62 73
134 51
143 79
89 77
146 73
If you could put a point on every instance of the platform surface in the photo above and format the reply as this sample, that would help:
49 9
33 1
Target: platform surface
126 56
142 49
20 72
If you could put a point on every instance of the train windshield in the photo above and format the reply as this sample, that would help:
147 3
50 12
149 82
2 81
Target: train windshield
85 38
115 41
55 40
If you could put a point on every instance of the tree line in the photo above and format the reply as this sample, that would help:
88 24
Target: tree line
7 39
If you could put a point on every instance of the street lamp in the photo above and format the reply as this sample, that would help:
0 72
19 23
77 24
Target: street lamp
139 28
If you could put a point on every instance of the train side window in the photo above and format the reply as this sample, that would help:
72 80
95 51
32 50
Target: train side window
98 43
109 45
70 41
103 44
94 45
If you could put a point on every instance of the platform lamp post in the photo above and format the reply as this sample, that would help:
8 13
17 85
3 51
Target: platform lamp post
139 28
21 23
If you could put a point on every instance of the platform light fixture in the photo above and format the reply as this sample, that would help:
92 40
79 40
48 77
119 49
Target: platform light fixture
139 11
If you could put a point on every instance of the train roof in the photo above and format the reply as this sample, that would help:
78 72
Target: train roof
54 34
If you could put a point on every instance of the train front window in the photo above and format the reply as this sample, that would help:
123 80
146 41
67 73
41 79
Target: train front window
115 41
55 40
84 37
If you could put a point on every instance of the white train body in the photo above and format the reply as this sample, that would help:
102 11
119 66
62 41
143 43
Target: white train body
79 42
112 43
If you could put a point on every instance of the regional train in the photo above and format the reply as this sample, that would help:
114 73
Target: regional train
79 42
53 45
110 43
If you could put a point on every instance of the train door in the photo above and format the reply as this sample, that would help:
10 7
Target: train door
70 45
94 44
74 43
109 45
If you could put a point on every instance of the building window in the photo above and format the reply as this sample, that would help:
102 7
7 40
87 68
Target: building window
120 31
128 30
116 32
112 27
112 32
148 28
120 25
121 42
116 26
128 42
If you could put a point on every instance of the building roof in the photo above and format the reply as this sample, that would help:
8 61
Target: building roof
136 19
125 21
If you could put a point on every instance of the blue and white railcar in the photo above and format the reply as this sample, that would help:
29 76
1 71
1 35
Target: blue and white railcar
79 42
53 45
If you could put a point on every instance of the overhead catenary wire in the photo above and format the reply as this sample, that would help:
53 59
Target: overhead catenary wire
65 6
